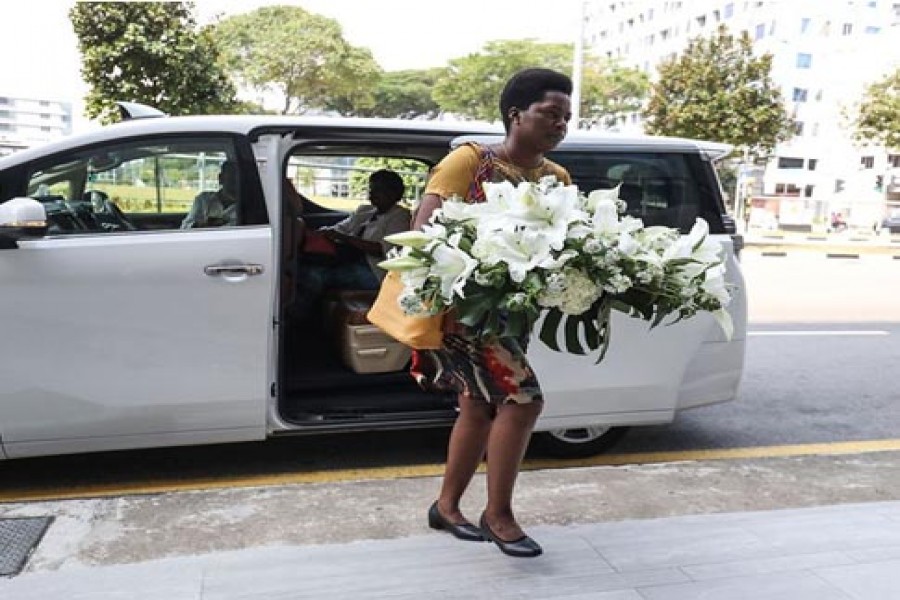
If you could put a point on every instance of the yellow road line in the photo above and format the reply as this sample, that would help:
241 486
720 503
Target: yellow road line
435 470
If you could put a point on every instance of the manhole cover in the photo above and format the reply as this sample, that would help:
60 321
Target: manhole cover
18 537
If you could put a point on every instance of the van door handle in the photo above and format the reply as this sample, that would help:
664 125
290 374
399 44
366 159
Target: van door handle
233 270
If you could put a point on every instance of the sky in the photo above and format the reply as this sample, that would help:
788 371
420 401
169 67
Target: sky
39 56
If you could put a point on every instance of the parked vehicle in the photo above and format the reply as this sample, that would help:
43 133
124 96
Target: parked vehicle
122 330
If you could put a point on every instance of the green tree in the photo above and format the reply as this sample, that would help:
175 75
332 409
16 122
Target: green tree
609 90
717 89
472 84
406 94
299 55
877 117
149 52
413 173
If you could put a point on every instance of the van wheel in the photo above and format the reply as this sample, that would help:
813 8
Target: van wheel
578 443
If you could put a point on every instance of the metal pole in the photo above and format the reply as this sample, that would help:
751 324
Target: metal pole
577 66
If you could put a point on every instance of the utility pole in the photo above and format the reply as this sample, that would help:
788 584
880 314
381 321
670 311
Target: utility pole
577 61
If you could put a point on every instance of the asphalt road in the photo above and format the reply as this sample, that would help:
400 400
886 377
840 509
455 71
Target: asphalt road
821 368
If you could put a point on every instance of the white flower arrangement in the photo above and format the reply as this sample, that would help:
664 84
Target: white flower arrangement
545 248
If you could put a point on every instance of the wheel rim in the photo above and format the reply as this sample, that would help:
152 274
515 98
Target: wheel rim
581 435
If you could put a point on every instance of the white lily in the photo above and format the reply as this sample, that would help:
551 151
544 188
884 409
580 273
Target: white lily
404 262
605 219
453 267
409 239
714 284
598 196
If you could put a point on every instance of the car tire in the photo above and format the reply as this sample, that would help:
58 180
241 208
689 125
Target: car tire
580 442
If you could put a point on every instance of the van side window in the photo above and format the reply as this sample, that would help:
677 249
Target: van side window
144 185
661 188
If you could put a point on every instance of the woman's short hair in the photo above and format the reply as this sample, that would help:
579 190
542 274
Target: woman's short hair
392 182
529 86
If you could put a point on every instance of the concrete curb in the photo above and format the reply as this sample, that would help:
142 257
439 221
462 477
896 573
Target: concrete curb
825 248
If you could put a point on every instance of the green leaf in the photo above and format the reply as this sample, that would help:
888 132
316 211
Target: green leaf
572 327
550 328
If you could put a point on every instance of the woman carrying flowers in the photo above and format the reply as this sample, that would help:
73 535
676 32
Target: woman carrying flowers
499 396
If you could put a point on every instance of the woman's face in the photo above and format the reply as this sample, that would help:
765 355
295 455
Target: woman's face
546 121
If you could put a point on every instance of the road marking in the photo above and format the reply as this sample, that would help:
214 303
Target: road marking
436 470
821 332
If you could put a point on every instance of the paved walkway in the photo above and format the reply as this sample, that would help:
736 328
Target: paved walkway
836 552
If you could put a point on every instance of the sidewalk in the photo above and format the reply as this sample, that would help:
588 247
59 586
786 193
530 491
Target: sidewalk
840 552
655 531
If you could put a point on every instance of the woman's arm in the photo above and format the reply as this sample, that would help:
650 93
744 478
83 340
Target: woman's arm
428 204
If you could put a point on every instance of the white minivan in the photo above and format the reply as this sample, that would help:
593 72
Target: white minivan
121 329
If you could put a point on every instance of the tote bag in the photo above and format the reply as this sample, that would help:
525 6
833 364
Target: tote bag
419 333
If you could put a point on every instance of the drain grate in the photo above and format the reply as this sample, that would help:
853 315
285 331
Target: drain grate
18 537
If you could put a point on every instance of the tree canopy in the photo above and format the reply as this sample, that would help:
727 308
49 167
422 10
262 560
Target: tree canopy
717 89
152 53
472 84
609 90
878 116
299 55
406 94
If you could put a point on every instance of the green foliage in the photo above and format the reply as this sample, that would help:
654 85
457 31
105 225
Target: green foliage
406 95
608 90
717 89
472 84
152 53
878 116
412 172
300 55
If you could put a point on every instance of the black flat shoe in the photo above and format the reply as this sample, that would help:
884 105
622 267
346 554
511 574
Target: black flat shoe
463 531
524 547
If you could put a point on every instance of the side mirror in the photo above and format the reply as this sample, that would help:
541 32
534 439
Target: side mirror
21 218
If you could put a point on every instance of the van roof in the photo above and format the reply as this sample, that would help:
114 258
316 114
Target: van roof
252 125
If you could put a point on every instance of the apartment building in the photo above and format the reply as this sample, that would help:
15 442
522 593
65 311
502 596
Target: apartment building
825 52
26 122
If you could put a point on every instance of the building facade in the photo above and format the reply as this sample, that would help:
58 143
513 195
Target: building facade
825 52
26 122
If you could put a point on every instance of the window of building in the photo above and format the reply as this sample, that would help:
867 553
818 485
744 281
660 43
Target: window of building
798 128
4 114
867 162
701 20
800 94
815 130
760 32
45 117
649 14
847 29
785 162
664 34
812 163
729 10
787 189
5 127
717 16
819 96
808 191
4 100
804 25
46 129
873 4
872 29
772 28
894 160
804 60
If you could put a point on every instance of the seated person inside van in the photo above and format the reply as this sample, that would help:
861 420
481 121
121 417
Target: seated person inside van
360 241
215 209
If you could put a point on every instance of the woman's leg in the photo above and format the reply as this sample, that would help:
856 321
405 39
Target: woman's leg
507 443
468 441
